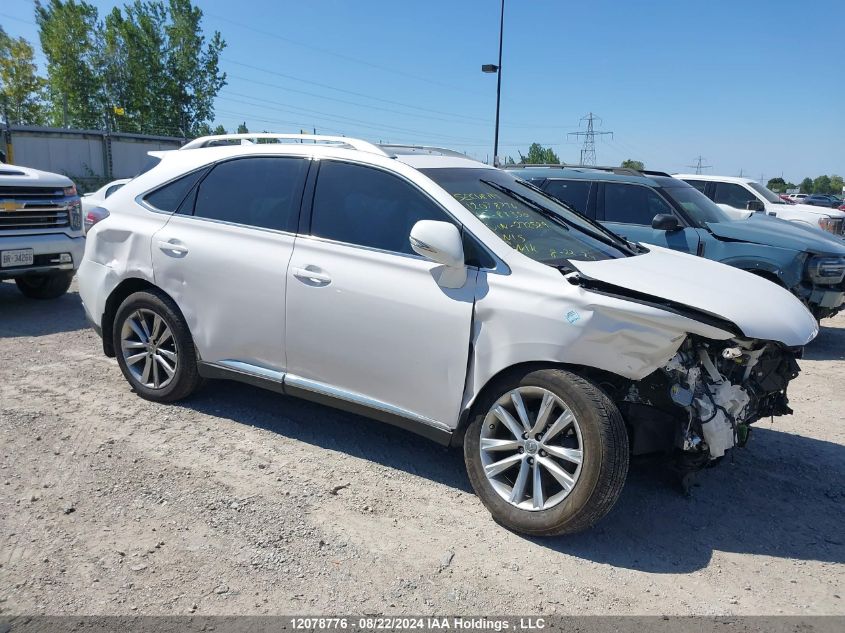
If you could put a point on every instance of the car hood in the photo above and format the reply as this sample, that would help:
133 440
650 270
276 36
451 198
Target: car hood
809 208
17 176
764 229
758 307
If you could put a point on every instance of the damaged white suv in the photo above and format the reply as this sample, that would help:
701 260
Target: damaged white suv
433 292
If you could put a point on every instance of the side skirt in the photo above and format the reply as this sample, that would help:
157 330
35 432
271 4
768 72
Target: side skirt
329 396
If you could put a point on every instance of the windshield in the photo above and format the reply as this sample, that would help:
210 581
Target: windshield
769 196
699 207
528 220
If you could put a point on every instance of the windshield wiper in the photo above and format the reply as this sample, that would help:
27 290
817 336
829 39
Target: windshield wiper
602 236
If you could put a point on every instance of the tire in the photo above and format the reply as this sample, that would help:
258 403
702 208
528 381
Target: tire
160 351
44 286
598 430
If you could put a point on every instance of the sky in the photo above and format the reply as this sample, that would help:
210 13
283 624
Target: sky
754 87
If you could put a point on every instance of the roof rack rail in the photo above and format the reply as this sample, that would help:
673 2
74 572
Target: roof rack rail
250 138
623 171
420 149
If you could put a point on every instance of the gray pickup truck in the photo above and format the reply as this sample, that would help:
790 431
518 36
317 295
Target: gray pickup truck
41 232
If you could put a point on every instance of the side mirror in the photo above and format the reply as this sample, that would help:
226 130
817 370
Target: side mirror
441 242
755 205
665 222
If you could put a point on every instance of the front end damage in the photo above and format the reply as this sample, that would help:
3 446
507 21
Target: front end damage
703 401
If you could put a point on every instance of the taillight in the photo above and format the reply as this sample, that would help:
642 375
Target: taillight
97 214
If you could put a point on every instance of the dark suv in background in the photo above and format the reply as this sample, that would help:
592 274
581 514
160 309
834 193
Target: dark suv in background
654 208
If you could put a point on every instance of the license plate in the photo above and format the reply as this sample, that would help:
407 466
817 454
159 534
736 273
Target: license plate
22 257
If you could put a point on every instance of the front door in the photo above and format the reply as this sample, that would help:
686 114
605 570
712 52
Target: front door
223 257
366 320
628 210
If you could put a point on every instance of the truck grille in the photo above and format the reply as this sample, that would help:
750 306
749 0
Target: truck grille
26 208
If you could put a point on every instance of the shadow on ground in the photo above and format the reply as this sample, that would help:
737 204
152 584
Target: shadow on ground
828 345
20 316
782 496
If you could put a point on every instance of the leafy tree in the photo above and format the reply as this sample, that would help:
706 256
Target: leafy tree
242 128
806 186
836 184
821 184
133 68
149 61
539 155
70 39
194 76
21 89
778 185
219 130
633 164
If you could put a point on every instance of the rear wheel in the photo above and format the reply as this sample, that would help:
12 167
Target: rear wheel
44 286
154 347
547 453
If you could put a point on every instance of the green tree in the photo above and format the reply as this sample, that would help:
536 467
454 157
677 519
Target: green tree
778 185
134 55
806 186
836 184
539 155
821 185
242 128
21 89
633 164
192 64
70 34
219 130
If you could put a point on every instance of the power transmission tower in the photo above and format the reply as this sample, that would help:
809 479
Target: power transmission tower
588 153
699 164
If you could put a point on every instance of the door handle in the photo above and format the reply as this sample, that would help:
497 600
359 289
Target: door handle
307 274
173 247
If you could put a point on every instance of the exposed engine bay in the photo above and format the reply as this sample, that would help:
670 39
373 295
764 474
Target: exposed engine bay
702 402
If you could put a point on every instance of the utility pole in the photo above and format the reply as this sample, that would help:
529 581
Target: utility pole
699 165
494 68
588 153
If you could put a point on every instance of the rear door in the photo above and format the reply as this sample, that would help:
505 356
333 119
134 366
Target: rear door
367 321
628 209
223 257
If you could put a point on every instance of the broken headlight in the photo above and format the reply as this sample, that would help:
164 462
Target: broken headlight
826 270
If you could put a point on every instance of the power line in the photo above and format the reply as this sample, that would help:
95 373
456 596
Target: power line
699 164
588 153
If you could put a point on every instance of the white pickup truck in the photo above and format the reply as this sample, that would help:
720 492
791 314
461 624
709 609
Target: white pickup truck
740 197
41 232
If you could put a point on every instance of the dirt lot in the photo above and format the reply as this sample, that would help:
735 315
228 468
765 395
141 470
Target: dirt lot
243 501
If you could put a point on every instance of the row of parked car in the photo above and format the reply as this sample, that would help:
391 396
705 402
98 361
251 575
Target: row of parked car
553 321
816 200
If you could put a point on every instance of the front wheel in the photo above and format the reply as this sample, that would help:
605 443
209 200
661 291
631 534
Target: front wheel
154 347
547 453
44 286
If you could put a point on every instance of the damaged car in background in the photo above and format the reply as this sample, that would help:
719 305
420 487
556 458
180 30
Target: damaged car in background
430 291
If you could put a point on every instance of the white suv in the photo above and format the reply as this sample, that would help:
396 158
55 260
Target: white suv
439 294
743 196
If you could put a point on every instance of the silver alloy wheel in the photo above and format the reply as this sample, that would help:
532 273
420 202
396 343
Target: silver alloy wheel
531 448
149 349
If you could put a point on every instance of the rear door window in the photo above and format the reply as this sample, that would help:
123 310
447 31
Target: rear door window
632 204
262 191
701 185
573 193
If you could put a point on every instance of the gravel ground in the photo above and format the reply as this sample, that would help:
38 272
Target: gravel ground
241 501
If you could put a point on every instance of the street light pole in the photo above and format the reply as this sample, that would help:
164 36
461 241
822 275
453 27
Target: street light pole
499 87
493 68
